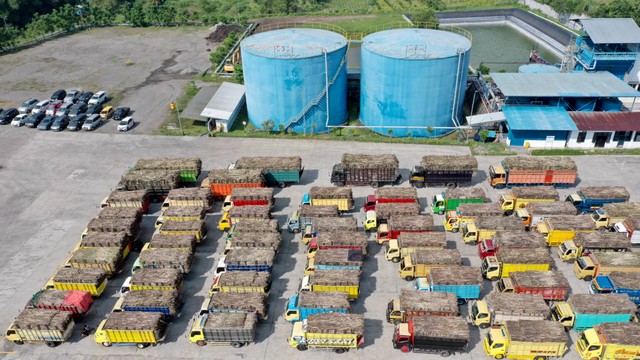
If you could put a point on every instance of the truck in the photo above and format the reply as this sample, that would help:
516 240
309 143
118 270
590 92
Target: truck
157 182
306 303
591 198
253 226
137 199
610 214
139 328
464 281
342 197
421 262
333 224
412 303
333 331
352 240
398 224
74 301
390 195
534 213
299 219
335 259
559 229
92 280
188 168
333 280
468 212
610 341
557 171
410 242
450 199
617 283
248 196
509 260
448 170
165 302
41 326
233 302
181 213
249 240
552 284
242 213
130 225
385 211
191 196
362 169
585 243
221 182
628 227
510 240
109 259
120 240
518 198
180 259
187 242
241 282
603 263
584 311
246 260
497 307
526 339
167 279
276 170
235 329
444 335
485 227
197 228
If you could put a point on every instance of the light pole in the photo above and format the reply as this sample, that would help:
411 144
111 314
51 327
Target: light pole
174 106
244 126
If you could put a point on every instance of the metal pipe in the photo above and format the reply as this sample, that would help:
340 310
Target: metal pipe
326 80
456 91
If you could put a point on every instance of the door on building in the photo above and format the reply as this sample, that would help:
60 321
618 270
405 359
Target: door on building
549 142
600 138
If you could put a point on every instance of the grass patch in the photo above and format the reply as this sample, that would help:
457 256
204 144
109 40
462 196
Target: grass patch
190 127
576 152
490 149
368 25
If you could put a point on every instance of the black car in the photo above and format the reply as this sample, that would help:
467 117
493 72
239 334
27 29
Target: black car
94 109
58 95
34 120
85 97
76 122
46 123
60 123
8 115
77 109
120 113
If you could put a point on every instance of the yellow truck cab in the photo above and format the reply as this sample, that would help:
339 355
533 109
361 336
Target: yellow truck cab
469 232
479 314
308 235
227 204
497 176
495 343
562 313
370 220
297 334
225 222
451 221
568 251
609 341
491 267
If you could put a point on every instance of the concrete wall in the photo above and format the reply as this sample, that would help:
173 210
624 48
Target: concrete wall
588 143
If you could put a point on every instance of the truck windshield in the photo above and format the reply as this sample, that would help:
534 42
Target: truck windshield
563 248
489 339
581 264
597 215
402 265
474 311
492 172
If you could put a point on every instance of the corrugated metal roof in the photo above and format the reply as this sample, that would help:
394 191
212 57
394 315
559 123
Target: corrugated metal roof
578 84
486 118
606 121
612 31
224 102
540 118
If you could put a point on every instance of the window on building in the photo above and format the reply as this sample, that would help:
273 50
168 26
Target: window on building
622 135
582 135
637 138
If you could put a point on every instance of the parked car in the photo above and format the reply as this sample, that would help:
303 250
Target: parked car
53 107
64 108
92 122
60 123
40 107
46 123
98 98
85 96
120 113
76 122
34 120
106 112
94 109
58 95
126 124
19 120
27 106
77 109
7 115
72 96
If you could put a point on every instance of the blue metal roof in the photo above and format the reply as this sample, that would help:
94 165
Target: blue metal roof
416 44
554 118
293 43
578 84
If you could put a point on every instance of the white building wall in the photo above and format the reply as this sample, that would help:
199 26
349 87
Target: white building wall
588 143
542 144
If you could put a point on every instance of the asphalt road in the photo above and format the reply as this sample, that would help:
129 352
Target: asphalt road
52 183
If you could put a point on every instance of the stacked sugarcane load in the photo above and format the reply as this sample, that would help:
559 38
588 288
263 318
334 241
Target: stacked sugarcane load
188 168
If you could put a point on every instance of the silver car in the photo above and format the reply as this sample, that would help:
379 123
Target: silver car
27 106
92 122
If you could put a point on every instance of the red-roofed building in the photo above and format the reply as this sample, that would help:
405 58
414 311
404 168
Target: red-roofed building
607 130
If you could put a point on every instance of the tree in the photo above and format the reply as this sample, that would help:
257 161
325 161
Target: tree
434 4
238 73
268 125
425 17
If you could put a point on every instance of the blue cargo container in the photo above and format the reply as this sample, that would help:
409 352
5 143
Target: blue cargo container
586 204
295 312
282 178
163 310
587 321
463 292
604 284
266 268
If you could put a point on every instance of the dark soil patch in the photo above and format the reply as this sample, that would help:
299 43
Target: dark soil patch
221 31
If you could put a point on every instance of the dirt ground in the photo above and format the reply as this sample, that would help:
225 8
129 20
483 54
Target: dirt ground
144 69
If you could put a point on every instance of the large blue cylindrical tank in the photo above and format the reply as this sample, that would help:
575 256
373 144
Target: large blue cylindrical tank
285 78
413 80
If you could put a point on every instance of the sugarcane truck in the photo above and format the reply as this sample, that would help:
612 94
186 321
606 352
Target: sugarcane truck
140 329
243 213
413 303
552 284
559 229
352 240
448 170
248 196
518 198
469 212
140 199
534 213
450 199
164 302
604 263
584 311
558 171
421 262
410 242
333 331
335 259
526 339
234 329
249 240
92 280
398 224
280 171
346 224
167 279
384 212
485 227
41 326
510 240
242 281
496 308
607 216
229 302
342 197
592 198
585 243
610 341
221 182
361 169
390 195
443 335
74 301
617 283
190 196
246 260
464 281
347 281
300 219
306 303
509 260
628 227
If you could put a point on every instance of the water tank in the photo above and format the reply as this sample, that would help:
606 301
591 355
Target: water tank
285 78
413 80
538 69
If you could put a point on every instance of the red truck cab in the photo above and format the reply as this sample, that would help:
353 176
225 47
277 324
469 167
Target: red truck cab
486 248
370 204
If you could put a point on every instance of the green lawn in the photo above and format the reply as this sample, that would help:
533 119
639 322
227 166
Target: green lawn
368 25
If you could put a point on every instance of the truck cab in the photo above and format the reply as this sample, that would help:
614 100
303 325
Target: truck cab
584 268
525 216
497 176
407 269
600 218
508 203
495 343
417 177
196 335
438 206
491 268
221 267
383 234
308 235
298 338
505 285
568 251
370 203
225 222
292 312
337 175
310 267
486 248
306 199
304 284
562 313
394 313
576 200
601 285
479 314
227 204
469 233
589 346
451 221
370 221
402 338
393 251
293 222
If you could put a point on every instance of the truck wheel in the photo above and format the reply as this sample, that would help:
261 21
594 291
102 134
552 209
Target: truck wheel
339 351
409 278
18 342
52 344
484 325
500 186
405 349
374 184
295 231
418 185
493 278
455 230
588 278
499 356
302 347
339 183
201 343
440 212
106 344
540 358
462 301
237 345
451 185
282 184
508 213
395 260
142 345
445 353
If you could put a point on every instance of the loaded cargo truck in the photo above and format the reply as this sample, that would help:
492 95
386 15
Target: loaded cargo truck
41 326
617 283
120 240
246 260
485 227
603 263
518 198
450 199
253 226
559 229
332 224
534 213
167 279
137 199
468 212
335 259
243 213
448 170
592 198
410 242
361 169
235 329
386 211
281 171
307 214
186 242
180 259
390 195
241 282
92 280
412 303
197 228
610 214
157 182
352 240
109 259
397 225
333 331
610 341
444 335
188 168
222 182
192 196
584 311
138 328
248 196
252 241
497 308
558 171
181 213
306 303
347 281
165 302
464 281
233 302
526 339
509 260
342 197
421 262
510 240
628 227
585 243
552 285
73 301
130 225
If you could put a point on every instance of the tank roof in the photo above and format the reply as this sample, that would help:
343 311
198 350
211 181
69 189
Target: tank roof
297 43
416 44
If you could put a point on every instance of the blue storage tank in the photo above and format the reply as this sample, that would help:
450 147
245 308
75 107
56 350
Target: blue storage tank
285 78
538 69
413 78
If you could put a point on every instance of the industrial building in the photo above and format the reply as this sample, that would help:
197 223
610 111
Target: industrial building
605 130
